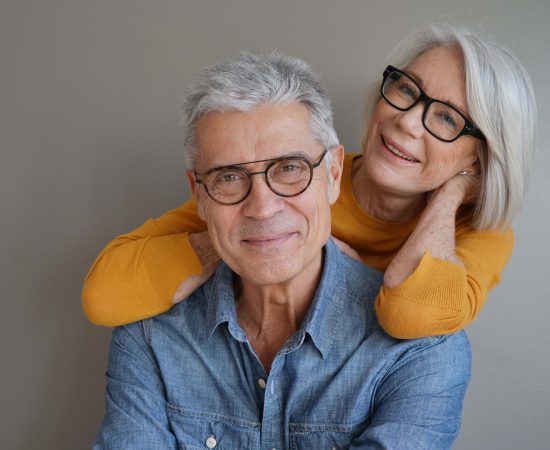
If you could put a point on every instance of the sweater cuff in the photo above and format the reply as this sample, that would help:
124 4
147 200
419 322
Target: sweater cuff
434 282
169 261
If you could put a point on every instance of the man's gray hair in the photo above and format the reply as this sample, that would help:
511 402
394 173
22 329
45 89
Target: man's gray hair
501 102
250 81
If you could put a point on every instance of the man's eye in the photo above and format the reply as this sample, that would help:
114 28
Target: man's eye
289 170
229 177
289 167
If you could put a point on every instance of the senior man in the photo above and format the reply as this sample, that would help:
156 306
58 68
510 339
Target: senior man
280 348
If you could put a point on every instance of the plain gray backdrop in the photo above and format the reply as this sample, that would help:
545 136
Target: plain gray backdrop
90 148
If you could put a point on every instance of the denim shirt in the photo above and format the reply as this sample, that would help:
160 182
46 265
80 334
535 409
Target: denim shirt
189 378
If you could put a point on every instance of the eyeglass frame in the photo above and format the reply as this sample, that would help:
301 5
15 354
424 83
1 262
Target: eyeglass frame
469 128
249 175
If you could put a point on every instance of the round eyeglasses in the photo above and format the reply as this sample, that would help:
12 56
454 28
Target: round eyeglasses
287 176
441 119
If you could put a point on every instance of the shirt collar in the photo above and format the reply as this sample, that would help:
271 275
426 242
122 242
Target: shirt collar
321 322
220 300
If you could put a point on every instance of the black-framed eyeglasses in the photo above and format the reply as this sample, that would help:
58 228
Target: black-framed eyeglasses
287 176
441 119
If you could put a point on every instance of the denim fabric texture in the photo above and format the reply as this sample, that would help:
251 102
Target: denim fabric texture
189 379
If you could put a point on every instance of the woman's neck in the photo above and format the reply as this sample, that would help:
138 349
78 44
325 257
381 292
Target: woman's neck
381 203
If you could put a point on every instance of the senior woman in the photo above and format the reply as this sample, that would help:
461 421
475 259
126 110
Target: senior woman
449 133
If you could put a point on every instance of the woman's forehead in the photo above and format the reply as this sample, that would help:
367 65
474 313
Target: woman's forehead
440 73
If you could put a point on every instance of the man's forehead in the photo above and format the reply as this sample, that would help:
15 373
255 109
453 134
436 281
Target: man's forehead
265 132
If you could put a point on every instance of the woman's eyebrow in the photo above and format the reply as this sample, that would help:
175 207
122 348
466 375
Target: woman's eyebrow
414 76
419 80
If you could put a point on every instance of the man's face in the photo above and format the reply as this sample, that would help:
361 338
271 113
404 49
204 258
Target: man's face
267 239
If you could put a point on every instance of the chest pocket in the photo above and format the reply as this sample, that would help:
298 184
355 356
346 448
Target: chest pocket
323 436
204 430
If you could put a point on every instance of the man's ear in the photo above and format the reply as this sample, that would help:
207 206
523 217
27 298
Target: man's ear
192 182
193 185
336 169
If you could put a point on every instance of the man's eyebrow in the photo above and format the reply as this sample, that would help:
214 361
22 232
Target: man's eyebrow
292 154
295 153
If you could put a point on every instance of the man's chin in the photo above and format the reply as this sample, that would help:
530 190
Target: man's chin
276 267
264 277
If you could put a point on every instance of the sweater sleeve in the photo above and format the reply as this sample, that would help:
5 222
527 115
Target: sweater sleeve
441 297
136 274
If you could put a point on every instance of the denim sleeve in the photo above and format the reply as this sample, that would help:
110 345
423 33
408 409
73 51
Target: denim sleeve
419 402
135 398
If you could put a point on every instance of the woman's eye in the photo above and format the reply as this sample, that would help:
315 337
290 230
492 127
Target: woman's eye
448 120
406 90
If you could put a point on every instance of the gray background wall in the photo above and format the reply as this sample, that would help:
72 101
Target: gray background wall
89 99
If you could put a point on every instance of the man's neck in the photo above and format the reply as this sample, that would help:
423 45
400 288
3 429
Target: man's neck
270 315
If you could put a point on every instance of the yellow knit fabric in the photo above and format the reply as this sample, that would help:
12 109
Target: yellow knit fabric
439 297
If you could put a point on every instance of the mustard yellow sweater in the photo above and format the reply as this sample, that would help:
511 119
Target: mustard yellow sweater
137 274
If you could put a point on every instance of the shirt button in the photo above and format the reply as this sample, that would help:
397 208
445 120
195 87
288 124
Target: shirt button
262 383
211 442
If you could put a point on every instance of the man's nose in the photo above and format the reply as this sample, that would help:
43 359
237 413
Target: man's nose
411 121
262 202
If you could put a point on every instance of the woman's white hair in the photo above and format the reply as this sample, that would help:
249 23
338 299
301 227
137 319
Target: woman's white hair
251 80
501 102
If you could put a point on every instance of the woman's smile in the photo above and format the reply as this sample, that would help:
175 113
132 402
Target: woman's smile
399 152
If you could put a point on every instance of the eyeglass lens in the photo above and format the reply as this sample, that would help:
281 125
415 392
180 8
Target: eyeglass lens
286 177
440 119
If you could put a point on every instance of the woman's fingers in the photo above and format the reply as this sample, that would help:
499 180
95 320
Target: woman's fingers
346 249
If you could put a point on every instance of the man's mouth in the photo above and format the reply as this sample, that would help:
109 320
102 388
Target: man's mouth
398 152
268 240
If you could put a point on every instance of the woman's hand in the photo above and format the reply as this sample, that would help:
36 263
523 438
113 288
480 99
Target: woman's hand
208 257
461 189
209 260
436 228
346 249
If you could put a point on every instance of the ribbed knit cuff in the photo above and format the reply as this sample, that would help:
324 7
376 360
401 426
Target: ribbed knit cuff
435 282
169 260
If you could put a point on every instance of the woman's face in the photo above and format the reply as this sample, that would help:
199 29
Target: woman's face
400 155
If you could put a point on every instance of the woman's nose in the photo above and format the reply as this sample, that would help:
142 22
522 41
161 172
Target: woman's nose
411 121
